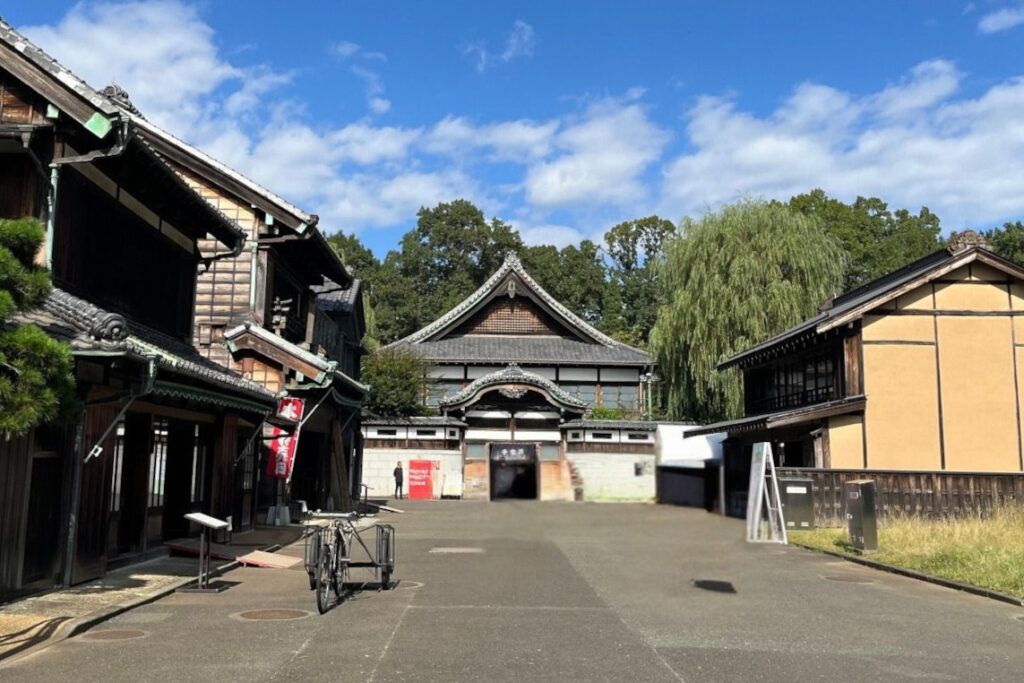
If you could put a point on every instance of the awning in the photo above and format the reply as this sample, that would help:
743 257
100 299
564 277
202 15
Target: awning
850 404
207 396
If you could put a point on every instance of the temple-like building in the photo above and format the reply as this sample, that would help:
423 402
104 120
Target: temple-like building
513 377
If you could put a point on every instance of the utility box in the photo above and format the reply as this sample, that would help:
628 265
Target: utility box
797 502
861 514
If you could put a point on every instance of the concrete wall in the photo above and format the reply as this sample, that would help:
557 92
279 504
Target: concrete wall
379 466
612 476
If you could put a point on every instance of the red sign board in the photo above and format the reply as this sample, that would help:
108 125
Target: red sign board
282 446
421 479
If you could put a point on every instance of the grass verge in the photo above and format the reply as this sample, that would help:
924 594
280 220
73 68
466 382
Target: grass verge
988 553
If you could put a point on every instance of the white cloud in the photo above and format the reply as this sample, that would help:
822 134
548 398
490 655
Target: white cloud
519 140
344 49
603 156
963 158
1001 20
556 235
521 42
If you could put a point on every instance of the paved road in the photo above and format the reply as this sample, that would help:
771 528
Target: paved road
527 591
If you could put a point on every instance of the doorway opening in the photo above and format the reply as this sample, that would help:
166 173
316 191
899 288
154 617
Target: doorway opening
513 471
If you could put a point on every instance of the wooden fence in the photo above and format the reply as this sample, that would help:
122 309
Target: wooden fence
902 493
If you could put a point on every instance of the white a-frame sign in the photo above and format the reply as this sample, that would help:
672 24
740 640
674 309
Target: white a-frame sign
764 508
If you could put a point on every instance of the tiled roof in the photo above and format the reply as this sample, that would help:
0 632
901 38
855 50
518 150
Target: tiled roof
89 328
555 350
9 35
332 298
415 421
518 349
634 425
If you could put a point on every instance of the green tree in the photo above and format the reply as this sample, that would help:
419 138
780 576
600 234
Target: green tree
1008 241
574 275
451 252
635 248
876 239
363 265
397 379
731 279
35 370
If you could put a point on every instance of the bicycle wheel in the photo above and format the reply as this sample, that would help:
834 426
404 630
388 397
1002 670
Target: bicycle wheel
324 575
340 577
311 557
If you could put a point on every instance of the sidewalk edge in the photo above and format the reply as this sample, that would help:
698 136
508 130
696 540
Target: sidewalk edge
920 576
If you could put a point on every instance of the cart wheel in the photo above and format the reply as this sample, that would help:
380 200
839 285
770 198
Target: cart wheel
340 575
323 577
311 557
385 578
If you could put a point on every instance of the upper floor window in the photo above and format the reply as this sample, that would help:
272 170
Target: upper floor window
795 381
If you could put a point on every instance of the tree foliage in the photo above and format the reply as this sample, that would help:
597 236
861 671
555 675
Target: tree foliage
635 248
734 278
1008 241
35 370
876 239
397 379
574 275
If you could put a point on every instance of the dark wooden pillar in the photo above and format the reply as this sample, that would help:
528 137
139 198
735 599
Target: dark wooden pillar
178 478
223 481
138 438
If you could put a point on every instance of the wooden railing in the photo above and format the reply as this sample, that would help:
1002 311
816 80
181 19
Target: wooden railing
917 493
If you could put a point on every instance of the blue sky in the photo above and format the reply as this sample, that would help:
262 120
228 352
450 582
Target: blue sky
567 117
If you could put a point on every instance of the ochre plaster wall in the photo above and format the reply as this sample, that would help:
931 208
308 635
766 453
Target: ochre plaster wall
846 441
909 355
902 406
979 406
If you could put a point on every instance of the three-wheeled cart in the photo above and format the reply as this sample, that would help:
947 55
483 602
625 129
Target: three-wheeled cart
334 544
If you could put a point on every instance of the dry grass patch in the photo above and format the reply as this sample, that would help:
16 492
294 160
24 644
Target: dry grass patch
982 552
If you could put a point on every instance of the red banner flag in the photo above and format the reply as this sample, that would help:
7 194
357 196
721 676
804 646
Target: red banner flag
283 444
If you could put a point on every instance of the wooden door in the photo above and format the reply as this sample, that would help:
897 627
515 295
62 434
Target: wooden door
90 554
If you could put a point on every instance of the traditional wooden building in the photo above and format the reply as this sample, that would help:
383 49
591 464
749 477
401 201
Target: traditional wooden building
513 376
161 426
914 378
283 312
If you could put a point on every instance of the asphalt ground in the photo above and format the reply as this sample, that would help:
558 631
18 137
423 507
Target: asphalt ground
562 591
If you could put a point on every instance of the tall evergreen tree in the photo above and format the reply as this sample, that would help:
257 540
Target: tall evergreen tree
635 248
35 370
731 279
1008 241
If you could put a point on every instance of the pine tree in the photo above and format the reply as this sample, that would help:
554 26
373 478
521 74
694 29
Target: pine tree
35 370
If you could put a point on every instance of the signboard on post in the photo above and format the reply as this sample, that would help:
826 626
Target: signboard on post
284 442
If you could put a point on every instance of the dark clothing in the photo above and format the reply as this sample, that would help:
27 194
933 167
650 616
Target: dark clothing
399 476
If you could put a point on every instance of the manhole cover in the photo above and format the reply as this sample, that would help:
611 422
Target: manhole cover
456 551
113 635
846 578
273 614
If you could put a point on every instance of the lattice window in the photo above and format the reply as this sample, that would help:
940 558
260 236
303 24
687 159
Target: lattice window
510 316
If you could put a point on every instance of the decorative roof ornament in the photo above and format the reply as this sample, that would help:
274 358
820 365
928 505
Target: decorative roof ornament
120 97
962 241
511 289
512 379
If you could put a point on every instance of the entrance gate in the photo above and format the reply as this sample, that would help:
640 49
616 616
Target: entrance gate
513 471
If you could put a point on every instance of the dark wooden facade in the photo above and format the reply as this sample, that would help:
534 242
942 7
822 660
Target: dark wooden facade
161 427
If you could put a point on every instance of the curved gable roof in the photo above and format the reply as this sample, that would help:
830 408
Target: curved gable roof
513 375
438 343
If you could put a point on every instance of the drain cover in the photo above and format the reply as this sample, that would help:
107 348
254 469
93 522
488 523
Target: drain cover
456 550
113 635
847 578
273 614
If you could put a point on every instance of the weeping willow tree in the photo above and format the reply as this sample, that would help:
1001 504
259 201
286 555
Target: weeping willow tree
732 279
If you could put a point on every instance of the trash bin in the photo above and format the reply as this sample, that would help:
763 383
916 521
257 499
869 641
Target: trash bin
797 502
861 514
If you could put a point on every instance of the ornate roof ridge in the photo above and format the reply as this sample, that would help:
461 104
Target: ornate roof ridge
513 374
511 264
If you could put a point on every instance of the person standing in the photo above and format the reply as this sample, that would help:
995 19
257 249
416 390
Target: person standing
399 478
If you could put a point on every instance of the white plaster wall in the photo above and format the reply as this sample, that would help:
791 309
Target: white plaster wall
379 467
611 476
